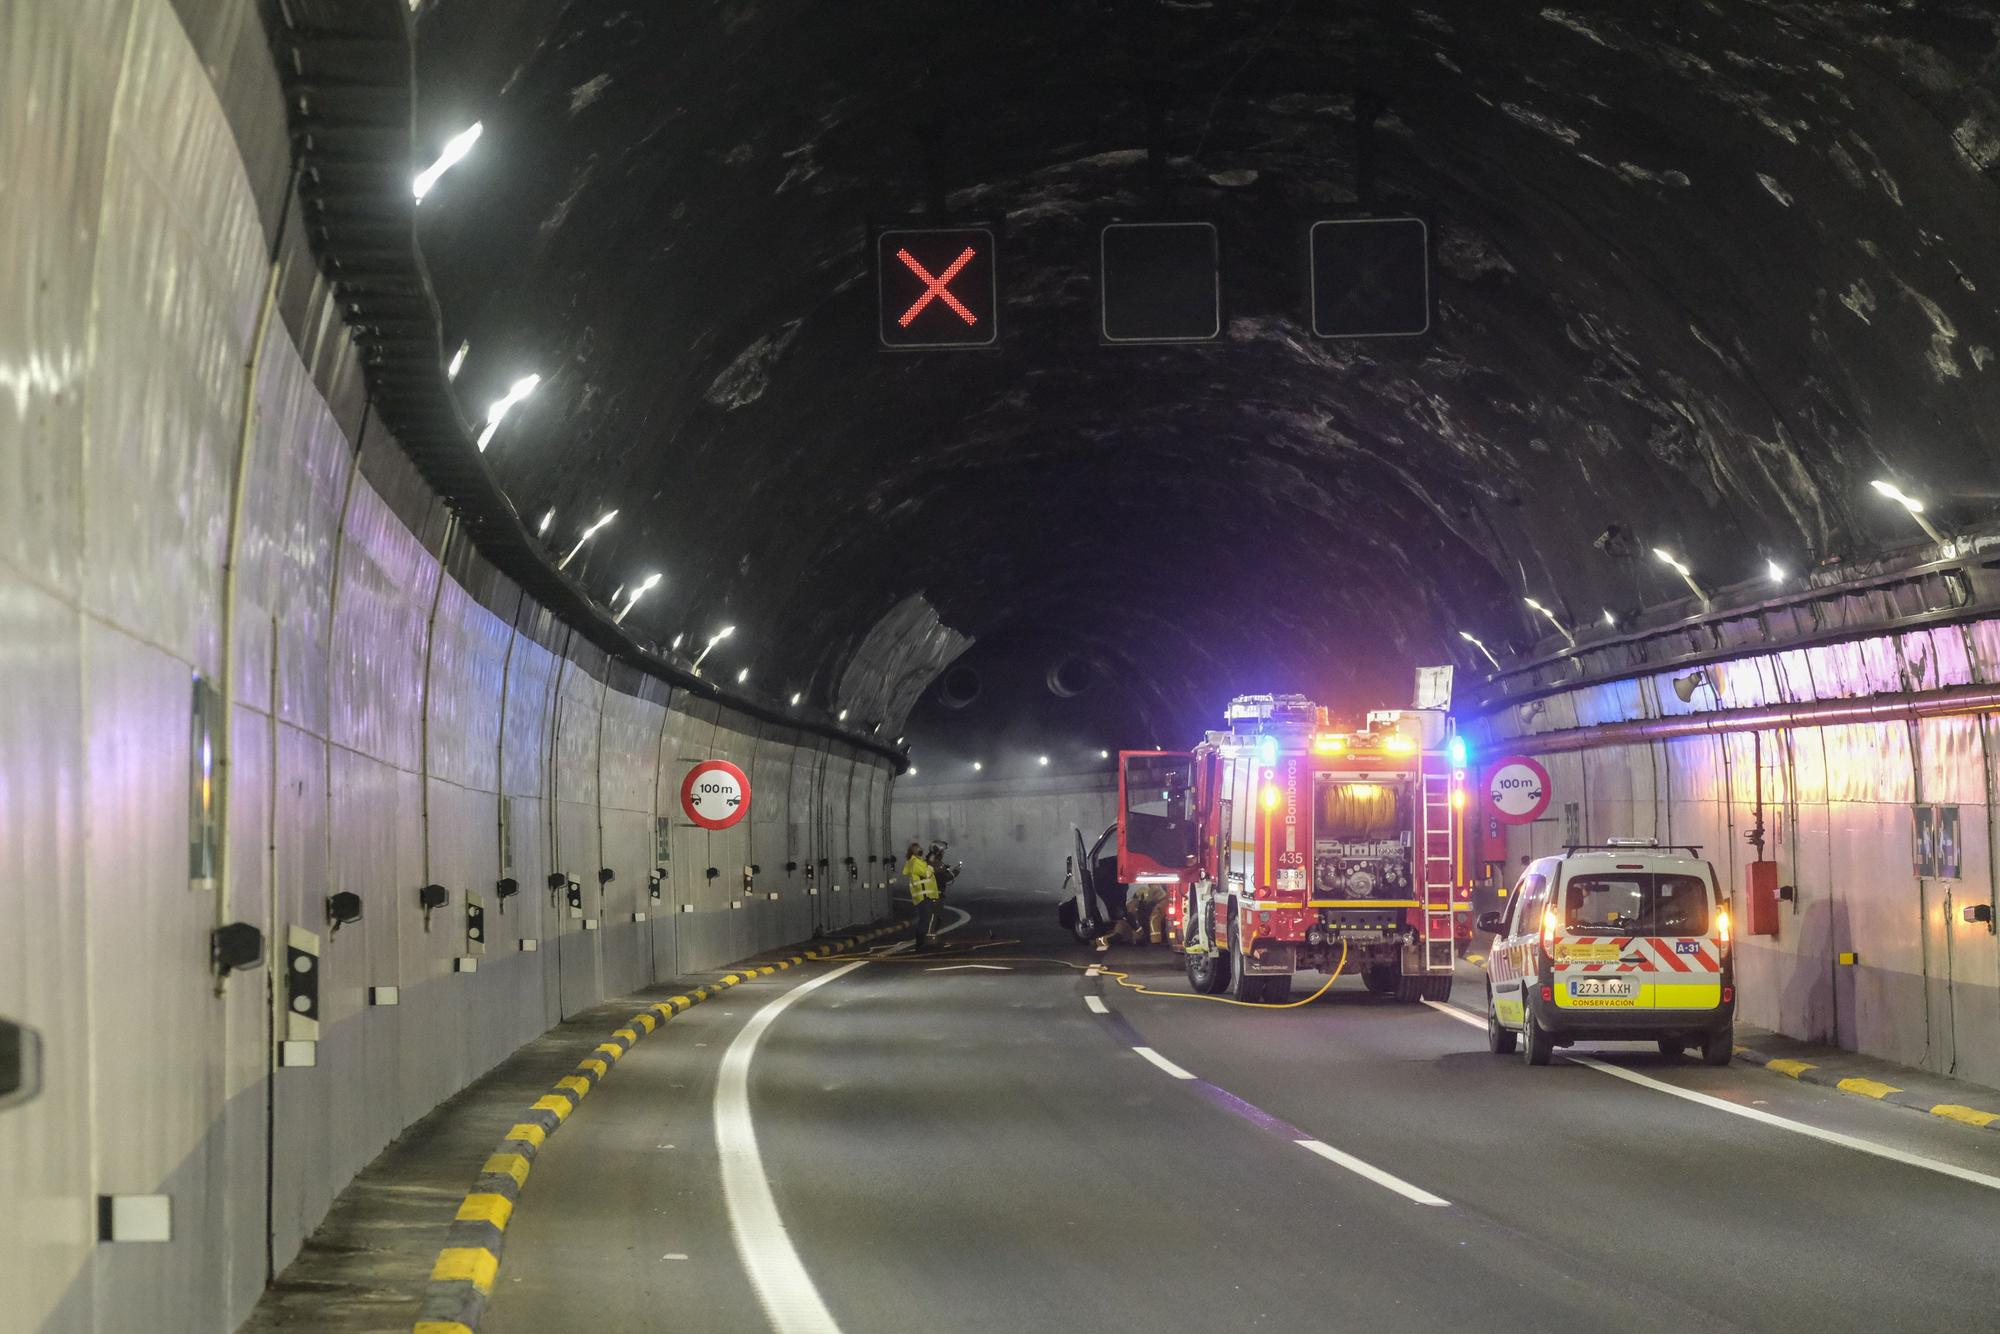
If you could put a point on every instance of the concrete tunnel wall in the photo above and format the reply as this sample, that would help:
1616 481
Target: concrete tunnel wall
1012 833
1839 816
401 717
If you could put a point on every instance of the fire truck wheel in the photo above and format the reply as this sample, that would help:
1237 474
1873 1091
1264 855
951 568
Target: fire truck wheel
1209 973
1380 978
1276 990
1438 987
1410 989
1537 1043
1499 1041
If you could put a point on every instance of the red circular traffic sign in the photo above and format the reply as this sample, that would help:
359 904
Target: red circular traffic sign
1517 789
715 794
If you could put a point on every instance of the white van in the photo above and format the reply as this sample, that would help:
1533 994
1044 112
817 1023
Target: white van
1619 941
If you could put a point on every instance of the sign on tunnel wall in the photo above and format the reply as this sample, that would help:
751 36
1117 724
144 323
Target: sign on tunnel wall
715 794
1517 789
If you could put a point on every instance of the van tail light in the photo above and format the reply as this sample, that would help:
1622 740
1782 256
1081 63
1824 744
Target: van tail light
1729 995
1549 933
1549 994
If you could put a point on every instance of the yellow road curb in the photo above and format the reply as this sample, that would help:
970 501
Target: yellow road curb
462 1278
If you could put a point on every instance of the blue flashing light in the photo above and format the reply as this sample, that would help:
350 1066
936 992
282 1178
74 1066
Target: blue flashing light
1267 750
1454 750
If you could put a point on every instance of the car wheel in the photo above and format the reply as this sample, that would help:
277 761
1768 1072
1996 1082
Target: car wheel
1719 1048
1499 1041
1538 1045
1673 1048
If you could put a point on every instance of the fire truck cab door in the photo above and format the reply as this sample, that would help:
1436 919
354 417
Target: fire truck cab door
1156 815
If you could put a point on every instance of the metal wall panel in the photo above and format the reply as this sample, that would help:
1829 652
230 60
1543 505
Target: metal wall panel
179 274
630 757
302 435
528 717
381 608
59 74
468 658
144 958
47 1211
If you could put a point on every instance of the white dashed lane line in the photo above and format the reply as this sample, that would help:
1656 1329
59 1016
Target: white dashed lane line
1095 1005
1163 1063
1375 1174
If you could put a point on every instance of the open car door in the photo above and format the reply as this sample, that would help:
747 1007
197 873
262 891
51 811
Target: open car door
1156 816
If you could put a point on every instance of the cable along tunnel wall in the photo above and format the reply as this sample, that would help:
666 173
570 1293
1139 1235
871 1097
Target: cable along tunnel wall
1843 795
401 717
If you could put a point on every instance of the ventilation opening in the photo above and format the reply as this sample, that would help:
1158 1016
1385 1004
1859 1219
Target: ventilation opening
959 688
1070 676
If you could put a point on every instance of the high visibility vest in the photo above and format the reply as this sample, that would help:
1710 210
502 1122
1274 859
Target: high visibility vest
923 881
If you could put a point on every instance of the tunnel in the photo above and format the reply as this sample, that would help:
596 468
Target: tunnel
521 523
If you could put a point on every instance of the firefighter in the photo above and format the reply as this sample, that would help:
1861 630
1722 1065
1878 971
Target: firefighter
924 895
1143 919
1146 906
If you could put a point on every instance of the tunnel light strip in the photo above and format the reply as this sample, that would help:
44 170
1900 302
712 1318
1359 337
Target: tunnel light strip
455 149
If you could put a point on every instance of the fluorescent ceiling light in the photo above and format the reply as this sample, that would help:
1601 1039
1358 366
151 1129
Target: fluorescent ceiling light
455 148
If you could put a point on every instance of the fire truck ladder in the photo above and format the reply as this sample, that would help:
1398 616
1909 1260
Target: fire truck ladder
1438 933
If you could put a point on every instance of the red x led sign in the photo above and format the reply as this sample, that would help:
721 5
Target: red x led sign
936 288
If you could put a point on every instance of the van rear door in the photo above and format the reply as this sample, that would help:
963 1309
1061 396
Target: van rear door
1638 937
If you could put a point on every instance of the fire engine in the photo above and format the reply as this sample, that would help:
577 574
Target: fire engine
1283 839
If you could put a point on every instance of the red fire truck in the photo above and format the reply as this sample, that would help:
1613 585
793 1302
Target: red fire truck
1283 839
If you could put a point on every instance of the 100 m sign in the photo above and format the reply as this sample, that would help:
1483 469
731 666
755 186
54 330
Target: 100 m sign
715 794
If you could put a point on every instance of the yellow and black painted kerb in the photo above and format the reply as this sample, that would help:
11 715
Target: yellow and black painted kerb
1808 1073
466 1267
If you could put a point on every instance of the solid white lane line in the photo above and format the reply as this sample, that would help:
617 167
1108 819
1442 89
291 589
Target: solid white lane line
1095 1004
1163 1063
1756 1114
786 1291
961 967
1371 1172
1796 1127
1456 1013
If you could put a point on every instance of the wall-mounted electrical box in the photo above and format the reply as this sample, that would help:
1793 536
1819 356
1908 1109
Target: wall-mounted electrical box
20 1064
342 909
383 995
529 946
1761 902
235 947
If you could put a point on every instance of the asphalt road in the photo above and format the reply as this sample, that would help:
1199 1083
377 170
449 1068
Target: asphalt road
919 1145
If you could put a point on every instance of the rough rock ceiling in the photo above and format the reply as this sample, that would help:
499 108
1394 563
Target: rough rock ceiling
1704 270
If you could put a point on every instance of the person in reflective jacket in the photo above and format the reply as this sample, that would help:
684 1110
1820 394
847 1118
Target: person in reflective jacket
923 895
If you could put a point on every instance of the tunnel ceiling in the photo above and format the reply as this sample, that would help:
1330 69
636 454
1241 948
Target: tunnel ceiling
1702 269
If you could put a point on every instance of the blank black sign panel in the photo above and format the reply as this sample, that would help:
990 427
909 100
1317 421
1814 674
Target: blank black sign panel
937 287
1371 277
1157 282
